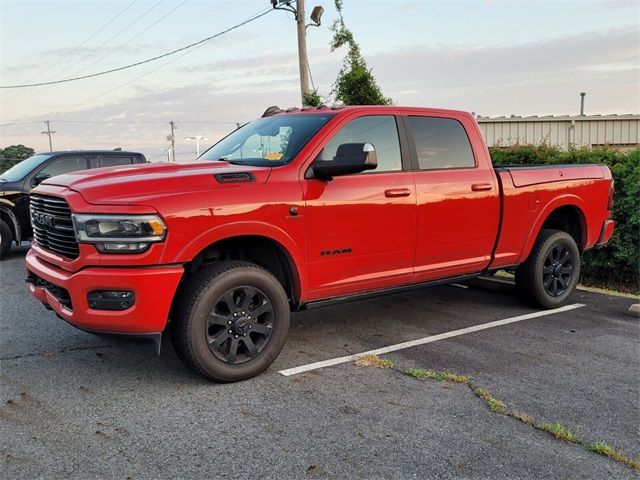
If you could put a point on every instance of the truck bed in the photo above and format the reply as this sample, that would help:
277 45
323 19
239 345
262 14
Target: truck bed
529 193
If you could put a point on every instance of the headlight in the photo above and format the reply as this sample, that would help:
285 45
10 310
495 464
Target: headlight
119 233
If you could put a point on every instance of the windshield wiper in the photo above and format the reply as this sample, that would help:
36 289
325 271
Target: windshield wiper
232 162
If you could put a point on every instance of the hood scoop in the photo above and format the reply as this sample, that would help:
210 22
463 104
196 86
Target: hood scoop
238 177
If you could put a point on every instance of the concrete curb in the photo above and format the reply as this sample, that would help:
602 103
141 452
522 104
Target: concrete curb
634 310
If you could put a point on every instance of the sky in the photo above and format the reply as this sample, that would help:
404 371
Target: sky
486 56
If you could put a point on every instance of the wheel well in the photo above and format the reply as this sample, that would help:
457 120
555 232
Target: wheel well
262 251
568 219
11 221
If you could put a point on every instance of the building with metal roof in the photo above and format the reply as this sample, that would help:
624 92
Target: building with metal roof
616 131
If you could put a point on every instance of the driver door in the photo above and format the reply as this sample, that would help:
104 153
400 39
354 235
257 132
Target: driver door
362 227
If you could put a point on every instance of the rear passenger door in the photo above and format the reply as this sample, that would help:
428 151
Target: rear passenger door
457 198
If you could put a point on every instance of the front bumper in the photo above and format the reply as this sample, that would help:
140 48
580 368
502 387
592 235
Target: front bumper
66 293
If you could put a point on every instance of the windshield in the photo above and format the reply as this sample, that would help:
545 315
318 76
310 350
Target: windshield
20 170
269 141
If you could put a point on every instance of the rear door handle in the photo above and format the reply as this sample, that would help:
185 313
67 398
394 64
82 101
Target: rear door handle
397 192
479 187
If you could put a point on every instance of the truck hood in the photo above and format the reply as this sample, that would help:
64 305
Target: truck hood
138 184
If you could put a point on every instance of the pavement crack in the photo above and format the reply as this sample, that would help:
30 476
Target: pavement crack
51 354
497 406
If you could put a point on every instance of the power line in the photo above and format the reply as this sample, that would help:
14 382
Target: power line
120 32
75 49
173 52
154 69
129 40
120 122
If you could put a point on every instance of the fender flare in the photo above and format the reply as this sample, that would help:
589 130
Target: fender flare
14 220
257 229
566 200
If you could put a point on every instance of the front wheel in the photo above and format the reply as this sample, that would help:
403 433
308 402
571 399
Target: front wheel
551 273
230 321
6 238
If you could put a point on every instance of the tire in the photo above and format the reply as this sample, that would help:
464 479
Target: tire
219 345
6 238
551 273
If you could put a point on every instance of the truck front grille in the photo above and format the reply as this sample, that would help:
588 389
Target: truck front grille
52 225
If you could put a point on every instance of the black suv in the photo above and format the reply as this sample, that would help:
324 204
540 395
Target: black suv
17 182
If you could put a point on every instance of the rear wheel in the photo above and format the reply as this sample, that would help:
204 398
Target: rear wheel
6 238
231 321
551 273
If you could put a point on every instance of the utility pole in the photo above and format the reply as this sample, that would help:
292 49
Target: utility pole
298 12
49 132
302 50
172 138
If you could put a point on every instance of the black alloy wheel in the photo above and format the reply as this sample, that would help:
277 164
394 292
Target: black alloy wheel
557 270
240 325
230 320
551 273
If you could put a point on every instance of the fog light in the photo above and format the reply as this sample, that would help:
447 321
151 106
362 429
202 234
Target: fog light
135 247
111 299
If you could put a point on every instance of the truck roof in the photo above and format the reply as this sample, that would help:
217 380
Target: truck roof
358 108
91 152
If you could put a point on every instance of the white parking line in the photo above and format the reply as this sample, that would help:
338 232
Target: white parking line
421 341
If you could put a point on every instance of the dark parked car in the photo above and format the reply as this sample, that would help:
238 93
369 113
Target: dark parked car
17 182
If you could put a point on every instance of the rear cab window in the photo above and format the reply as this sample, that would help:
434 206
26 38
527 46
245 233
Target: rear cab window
113 161
440 143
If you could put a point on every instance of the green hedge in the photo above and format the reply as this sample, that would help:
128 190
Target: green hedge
7 163
618 263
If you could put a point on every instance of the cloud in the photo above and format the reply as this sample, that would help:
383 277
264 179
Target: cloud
542 77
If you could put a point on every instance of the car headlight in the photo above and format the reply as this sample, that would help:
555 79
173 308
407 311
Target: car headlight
119 233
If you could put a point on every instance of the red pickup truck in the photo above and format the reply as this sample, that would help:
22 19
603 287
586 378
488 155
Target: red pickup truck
302 208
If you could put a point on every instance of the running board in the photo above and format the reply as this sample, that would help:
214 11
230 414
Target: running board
387 291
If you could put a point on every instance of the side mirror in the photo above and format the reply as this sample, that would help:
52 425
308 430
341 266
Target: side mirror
350 158
39 178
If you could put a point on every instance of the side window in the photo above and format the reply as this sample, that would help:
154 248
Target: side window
65 165
114 161
441 143
379 130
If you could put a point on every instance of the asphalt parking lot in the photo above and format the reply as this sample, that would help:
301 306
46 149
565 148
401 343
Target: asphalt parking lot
74 406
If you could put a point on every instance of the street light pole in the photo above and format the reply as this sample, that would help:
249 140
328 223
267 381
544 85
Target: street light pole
197 138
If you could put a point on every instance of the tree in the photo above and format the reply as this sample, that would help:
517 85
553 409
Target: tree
313 99
17 152
355 84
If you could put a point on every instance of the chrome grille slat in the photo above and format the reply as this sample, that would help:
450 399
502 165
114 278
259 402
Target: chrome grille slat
59 237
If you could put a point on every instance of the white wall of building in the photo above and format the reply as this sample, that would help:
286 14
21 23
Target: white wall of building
618 131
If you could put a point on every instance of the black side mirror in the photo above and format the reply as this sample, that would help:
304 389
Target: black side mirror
350 158
39 178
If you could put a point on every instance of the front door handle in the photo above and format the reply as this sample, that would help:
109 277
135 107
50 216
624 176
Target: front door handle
397 192
479 187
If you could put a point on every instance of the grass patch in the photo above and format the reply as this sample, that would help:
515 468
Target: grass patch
560 432
440 376
523 417
608 451
374 361
495 405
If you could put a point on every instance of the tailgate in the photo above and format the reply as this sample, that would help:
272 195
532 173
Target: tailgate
524 176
